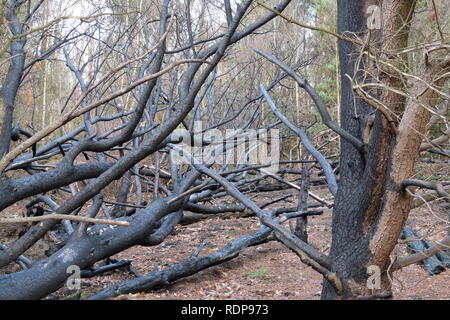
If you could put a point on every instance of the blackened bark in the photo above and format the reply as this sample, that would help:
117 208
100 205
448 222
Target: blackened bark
11 84
358 177
99 243
192 265
432 264
122 195
13 190
302 222
370 207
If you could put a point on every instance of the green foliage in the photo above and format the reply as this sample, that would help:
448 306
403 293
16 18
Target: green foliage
79 294
440 176
258 273
326 88
325 69
421 4
326 13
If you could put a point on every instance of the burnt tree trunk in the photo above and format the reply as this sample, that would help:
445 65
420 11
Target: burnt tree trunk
356 180
370 206
11 83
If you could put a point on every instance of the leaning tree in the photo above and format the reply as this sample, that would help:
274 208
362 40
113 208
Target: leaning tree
139 71
389 116
147 76
391 90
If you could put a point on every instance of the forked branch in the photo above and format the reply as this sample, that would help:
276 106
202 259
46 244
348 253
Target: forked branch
320 105
307 254
427 185
331 179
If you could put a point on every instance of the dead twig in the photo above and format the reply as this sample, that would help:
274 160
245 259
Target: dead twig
64 217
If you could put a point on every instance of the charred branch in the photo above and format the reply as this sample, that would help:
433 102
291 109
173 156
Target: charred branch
331 179
415 243
194 264
321 107
438 187
109 267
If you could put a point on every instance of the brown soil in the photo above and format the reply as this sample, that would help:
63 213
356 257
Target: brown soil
268 271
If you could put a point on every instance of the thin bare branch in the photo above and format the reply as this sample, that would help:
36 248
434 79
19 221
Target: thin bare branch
321 107
55 216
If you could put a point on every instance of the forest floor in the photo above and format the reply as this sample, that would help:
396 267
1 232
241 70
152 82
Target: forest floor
267 271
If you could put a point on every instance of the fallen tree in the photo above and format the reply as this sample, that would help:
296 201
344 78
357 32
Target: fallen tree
141 101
